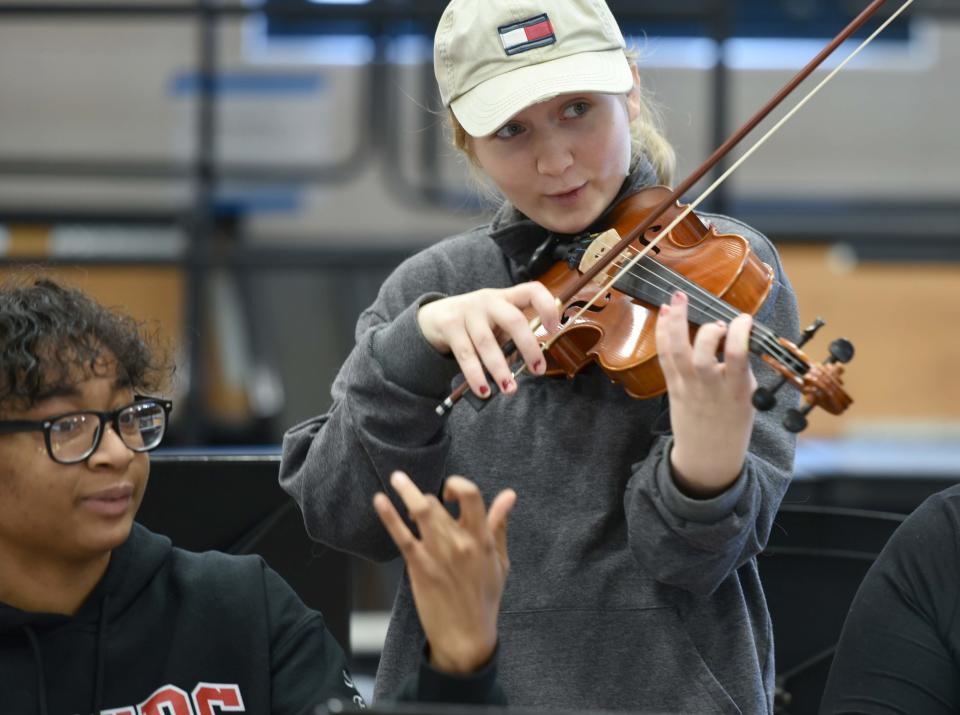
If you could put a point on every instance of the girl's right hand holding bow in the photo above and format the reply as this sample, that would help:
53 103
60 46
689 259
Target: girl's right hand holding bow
471 326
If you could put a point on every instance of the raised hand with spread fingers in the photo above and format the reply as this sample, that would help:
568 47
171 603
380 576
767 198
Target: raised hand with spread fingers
457 567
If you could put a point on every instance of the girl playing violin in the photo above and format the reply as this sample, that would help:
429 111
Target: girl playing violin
634 582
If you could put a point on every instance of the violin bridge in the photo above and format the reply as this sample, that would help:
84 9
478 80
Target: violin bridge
603 243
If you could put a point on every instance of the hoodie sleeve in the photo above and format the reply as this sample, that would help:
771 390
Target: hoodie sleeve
695 544
381 419
307 665
433 686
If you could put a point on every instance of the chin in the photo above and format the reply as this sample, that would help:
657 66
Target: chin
570 222
569 226
102 538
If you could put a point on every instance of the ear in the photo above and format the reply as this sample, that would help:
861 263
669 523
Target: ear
634 101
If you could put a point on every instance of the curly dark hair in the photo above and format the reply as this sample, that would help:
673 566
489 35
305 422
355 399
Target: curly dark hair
48 331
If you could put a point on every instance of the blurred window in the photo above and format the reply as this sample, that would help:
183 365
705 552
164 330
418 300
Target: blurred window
800 19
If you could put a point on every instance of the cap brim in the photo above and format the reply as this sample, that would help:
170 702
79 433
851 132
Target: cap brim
489 105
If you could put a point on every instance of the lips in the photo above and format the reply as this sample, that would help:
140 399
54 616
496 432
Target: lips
114 501
569 196
566 192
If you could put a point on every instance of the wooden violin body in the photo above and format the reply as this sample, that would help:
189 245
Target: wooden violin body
618 330
615 326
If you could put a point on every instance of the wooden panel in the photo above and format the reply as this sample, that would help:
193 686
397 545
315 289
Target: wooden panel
28 240
902 319
152 295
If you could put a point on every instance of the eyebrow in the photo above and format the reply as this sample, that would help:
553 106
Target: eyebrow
57 391
64 390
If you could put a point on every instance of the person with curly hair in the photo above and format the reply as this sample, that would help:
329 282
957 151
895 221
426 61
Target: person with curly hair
98 614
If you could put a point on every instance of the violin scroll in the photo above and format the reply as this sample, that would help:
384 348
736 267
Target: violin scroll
820 383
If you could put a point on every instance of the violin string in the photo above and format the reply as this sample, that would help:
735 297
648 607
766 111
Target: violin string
713 307
700 297
766 341
707 303
704 301
733 167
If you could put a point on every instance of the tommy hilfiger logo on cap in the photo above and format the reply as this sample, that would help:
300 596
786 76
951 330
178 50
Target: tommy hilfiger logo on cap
527 34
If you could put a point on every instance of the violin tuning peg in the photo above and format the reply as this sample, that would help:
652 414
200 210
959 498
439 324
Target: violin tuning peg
841 350
810 331
796 420
763 399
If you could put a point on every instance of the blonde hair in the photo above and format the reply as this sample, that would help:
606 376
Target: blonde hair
645 132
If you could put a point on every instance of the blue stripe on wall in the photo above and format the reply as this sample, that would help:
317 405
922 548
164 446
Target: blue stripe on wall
259 83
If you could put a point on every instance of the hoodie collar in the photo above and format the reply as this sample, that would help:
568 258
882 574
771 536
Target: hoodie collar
131 567
519 237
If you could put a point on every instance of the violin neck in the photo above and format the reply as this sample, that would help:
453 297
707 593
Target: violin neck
653 283
760 334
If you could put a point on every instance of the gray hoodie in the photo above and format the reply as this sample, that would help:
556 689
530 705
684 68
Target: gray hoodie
623 592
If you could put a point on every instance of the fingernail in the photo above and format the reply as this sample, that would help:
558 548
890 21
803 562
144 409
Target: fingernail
505 385
664 309
721 324
678 295
484 390
536 365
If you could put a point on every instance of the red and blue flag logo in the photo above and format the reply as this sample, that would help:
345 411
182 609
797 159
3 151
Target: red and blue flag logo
527 34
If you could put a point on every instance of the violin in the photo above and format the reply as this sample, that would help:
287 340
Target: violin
656 246
722 278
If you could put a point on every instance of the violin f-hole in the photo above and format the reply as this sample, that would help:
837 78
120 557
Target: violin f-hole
576 306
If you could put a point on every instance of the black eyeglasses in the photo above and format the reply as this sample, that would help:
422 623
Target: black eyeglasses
74 436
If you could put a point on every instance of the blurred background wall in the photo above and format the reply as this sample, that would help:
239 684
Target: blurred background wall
245 176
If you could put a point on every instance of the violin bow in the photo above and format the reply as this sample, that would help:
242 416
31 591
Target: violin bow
588 275
699 173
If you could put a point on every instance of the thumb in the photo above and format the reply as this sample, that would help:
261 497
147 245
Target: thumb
497 520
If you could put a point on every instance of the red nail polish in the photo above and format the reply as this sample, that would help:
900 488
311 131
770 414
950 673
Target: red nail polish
484 390
505 385
536 365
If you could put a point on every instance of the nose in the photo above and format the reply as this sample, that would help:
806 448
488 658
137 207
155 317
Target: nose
111 452
554 156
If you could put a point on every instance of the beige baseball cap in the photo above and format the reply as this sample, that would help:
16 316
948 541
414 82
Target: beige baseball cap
494 58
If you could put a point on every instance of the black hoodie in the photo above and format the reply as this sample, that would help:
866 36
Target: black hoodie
181 633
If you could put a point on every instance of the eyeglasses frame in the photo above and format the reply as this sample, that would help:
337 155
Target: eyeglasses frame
111 416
